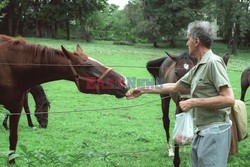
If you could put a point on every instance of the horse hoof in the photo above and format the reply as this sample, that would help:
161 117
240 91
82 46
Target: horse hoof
34 127
12 161
170 152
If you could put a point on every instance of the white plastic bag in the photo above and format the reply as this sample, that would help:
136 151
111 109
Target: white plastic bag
184 128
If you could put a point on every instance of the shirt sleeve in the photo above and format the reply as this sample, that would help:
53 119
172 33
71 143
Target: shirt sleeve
218 74
186 79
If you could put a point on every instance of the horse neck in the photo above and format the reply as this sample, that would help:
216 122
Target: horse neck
39 95
41 68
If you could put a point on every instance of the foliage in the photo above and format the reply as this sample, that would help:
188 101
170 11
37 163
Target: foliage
233 18
141 20
44 17
110 24
3 4
166 19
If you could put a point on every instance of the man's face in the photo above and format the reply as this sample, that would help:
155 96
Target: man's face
192 45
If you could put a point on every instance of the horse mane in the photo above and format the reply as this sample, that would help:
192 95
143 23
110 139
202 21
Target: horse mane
11 40
36 51
187 56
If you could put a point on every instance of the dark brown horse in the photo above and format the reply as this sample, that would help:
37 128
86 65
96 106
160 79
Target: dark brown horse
24 65
245 82
169 70
41 111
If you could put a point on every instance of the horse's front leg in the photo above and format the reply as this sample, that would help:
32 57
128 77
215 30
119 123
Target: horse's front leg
166 121
15 108
14 120
177 160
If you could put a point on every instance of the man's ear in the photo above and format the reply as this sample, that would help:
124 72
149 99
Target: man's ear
196 41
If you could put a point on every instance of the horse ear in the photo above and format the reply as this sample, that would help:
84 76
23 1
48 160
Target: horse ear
173 57
66 53
78 48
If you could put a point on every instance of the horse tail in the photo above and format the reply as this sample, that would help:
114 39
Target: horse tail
226 58
245 82
153 67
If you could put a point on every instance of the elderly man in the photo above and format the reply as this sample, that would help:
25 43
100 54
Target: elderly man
211 98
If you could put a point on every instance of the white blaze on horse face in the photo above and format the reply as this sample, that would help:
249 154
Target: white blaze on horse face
90 58
186 66
125 79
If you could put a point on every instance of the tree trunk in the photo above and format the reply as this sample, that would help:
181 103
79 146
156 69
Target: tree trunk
172 43
55 30
235 38
38 29
68 30
82 27
229 37
155 44
18 19
10 19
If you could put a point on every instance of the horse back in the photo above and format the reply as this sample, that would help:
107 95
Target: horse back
153 67
245 77
167 71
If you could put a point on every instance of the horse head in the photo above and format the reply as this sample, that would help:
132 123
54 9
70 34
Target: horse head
93 77
183 63
41 115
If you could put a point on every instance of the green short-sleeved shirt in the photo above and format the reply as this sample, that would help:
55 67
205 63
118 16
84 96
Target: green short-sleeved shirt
205 80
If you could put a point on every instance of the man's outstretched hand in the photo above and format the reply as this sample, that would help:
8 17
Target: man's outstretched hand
133 93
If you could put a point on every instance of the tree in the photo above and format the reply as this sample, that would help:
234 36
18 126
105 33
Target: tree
133 13
233 19
166 19
83 9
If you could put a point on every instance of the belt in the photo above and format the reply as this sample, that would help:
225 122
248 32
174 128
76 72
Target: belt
215 129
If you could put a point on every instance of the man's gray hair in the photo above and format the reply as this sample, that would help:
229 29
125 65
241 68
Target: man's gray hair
202 30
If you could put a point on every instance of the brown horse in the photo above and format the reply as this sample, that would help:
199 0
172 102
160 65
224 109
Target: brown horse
24 65
41 111
245 82
169 70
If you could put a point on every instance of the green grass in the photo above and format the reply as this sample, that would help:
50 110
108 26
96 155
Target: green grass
116 137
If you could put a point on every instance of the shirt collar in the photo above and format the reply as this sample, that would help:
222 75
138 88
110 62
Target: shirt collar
205 58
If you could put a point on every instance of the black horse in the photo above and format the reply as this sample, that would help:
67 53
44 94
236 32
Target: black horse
42 107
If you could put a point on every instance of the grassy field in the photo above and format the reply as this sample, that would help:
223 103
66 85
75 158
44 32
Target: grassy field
133 136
